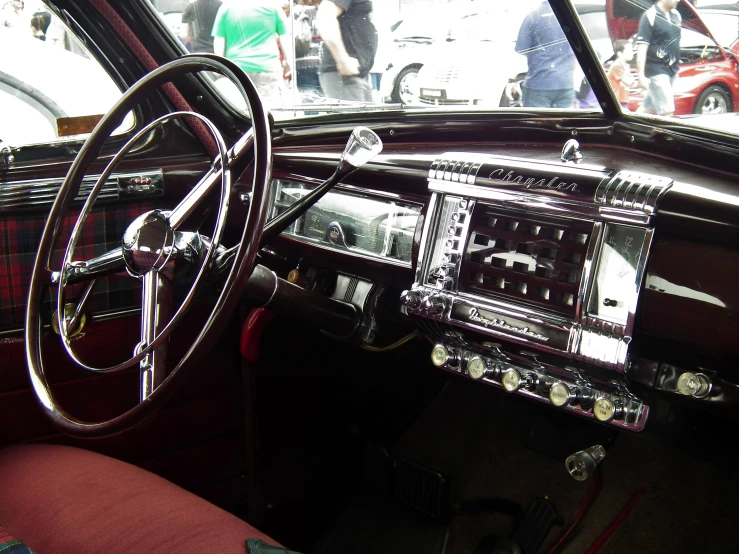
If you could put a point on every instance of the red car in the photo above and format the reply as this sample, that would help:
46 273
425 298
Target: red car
708 80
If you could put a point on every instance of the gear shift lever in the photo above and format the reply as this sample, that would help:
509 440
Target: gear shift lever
362 146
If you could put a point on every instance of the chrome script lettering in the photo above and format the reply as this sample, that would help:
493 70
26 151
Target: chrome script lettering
501 324
530 182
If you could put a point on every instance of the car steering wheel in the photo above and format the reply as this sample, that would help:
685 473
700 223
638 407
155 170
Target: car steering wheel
149 247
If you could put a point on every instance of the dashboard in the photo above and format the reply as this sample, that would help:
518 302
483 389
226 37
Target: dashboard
547 276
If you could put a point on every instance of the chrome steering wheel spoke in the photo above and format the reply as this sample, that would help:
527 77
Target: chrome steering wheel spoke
156 308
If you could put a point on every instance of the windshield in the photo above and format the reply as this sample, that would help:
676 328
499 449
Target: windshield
471 55
312 57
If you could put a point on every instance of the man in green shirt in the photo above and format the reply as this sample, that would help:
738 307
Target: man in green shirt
247 33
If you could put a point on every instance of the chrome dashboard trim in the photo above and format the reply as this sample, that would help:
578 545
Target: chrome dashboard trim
542 375
36 193
533 201
352 251
633 190
612 202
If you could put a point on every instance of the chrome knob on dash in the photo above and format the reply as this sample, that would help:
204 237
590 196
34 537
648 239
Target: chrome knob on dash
433 305
571 152
411 299
605 410
511 380
442 356
560 395
582 464
696 385
476 367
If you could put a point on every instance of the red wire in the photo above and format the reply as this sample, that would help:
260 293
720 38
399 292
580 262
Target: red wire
617 521
584 506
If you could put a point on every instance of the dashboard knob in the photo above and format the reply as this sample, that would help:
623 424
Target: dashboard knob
511 380
560 395
443 356
582 464
434 305
696 385
476 367
439 355
605 410
411 299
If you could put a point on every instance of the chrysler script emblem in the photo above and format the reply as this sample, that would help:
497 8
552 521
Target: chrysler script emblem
496 323
531 182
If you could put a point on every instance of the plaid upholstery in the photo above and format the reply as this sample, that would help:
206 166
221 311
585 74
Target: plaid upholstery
20 235
10 545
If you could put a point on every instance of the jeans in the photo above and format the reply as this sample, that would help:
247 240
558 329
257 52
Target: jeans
561 98
346 88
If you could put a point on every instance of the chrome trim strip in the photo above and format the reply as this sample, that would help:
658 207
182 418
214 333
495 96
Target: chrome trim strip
533 201
625 190
100 316
35 193
591 257
352 252
428 225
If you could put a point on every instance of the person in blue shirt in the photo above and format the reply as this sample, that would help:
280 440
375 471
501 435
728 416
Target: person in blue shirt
549 82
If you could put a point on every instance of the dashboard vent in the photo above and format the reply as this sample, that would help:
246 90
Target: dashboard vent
532 258
633 190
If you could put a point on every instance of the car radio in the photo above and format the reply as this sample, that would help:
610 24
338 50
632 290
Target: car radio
550 257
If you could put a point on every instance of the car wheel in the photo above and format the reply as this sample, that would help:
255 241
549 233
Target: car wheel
404 91
713 100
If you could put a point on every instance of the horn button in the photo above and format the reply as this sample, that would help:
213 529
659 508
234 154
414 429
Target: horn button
148 243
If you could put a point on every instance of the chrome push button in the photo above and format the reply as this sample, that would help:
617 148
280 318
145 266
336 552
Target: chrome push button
511 380
605 410
439 355
560 395
476 367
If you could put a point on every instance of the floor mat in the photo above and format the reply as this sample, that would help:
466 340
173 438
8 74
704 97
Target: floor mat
479 437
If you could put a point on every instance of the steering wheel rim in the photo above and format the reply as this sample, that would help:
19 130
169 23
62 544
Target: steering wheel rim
243 262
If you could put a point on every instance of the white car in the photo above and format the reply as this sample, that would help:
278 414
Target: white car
36 90
478 67
405 52
474 65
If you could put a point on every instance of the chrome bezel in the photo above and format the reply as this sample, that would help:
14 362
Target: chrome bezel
591 339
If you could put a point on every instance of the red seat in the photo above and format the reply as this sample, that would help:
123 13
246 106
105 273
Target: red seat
58 499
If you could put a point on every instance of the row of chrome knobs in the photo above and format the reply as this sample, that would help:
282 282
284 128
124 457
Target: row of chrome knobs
429 304
513 380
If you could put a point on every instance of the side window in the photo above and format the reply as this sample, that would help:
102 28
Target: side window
51 89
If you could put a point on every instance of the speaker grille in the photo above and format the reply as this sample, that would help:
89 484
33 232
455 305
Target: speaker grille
536 259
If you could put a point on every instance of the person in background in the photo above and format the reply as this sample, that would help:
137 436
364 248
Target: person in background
350 44
198 18
619 74
11 15
658 57
40 24
550 78
247 32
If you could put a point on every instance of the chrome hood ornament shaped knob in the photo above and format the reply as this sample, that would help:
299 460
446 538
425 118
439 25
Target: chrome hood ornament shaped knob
571 152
